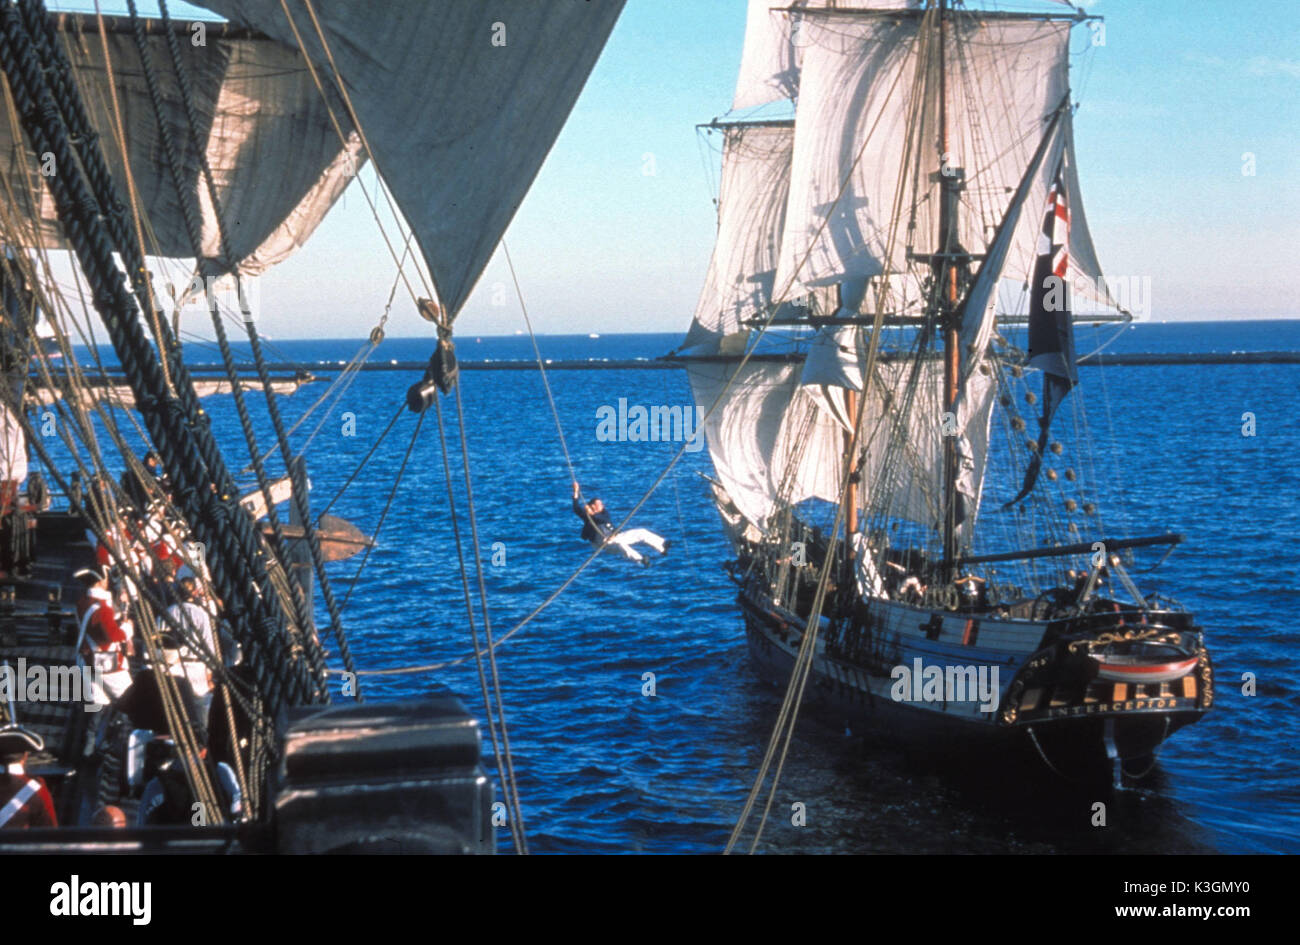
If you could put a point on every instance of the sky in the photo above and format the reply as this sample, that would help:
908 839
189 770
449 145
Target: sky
1187 135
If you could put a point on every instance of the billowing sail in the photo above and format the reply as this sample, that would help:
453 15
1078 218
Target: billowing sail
276 159
1090 294
835 358
749 435
459 101
775 439
772 56
769 62
903 425
862 213
751 215
861 162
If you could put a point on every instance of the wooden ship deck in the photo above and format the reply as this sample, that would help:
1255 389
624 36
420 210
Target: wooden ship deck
38 626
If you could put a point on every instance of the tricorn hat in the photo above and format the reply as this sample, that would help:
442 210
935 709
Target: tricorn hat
16 740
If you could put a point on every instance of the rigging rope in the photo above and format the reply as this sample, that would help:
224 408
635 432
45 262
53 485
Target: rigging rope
353 368
310 536
392 494
179 724
362 465
176 425
343 139
804 659
297 603
107 519
76 396
546 384
336 389
658 481
487 623
516 825
132 194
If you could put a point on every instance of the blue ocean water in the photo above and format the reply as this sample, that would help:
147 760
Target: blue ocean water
604 768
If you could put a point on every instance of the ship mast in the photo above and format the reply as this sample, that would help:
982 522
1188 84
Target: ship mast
945 265
851 496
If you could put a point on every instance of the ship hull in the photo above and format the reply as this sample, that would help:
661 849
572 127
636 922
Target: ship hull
1082 734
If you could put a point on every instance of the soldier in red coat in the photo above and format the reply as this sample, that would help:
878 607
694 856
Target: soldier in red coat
24 800
102 641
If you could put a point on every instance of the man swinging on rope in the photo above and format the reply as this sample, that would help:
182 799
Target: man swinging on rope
599 530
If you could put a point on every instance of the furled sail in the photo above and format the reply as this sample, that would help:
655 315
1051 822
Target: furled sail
863 78
459 101
276 159
751 215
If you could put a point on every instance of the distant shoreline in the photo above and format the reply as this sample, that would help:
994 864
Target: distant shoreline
1100 360
463 337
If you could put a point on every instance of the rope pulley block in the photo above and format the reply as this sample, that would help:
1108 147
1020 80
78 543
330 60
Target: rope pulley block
442 371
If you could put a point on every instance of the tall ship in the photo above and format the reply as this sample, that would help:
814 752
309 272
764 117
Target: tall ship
884 359
151 169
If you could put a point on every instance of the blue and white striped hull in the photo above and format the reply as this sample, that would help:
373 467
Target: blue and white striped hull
1029 711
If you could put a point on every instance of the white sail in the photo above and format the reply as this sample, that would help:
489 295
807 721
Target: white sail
835 358
748 435
860 86
1090 293
894 426
774 439
978 307
772 54
769 61
910 488
863 198
257 109
460 101
751 215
